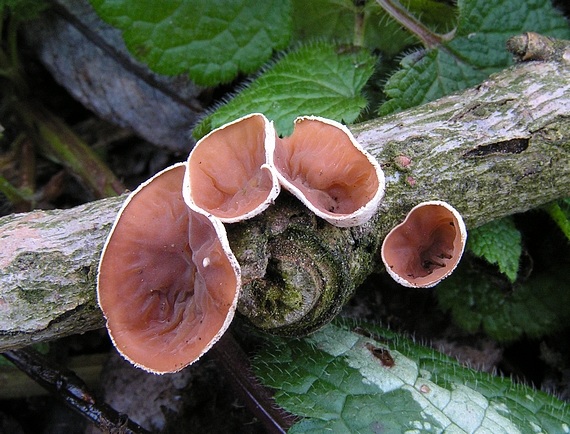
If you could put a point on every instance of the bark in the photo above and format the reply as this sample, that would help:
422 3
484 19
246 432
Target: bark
88 57
500 148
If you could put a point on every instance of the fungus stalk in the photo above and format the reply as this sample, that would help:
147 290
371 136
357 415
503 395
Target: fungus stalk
500 148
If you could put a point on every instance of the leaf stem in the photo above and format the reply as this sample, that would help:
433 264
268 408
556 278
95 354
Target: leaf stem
399 13
27 164
257 397
559 216
61 144
359 23
66 385
10 65
13 194
12 44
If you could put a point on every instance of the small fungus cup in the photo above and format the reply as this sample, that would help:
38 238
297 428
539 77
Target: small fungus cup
323 165
168 283
230 173
426 247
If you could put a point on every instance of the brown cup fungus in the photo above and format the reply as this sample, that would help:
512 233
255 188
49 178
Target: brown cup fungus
229 172
168 282
426 247
324 166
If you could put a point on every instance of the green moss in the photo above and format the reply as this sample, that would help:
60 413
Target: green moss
31 296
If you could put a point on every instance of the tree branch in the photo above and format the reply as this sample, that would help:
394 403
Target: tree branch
500 148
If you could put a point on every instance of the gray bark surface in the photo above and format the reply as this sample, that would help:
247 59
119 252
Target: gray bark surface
89 58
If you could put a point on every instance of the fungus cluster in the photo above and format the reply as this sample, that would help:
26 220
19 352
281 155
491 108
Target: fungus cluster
168 282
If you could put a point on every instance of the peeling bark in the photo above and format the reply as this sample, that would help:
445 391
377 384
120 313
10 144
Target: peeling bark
500 148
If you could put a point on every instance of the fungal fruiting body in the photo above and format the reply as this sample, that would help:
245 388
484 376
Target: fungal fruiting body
168 283
324 166
230 171
426 247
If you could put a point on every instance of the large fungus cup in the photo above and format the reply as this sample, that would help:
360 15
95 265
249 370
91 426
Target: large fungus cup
326 168
230 171
426 247
168 282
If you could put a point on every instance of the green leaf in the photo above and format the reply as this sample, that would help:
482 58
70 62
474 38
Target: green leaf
348 378
560 212
536 307
364 23
211 40
477 50
499 242
316 79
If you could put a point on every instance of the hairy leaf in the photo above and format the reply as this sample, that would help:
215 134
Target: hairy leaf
211 40
536 307
316 79
365 23
477 50
360 378
560 213
499 242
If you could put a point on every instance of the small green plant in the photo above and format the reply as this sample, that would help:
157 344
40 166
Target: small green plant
468 54
353 377
451 47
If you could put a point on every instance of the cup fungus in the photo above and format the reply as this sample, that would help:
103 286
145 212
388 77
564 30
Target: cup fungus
229 172
426 247
168 282
324 166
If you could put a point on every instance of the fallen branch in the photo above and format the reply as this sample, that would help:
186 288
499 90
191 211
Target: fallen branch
497 149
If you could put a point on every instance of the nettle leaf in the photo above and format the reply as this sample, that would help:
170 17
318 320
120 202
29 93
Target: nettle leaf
316 79
365 23
211 40
560 212
535 307
499 242
352 377
477 50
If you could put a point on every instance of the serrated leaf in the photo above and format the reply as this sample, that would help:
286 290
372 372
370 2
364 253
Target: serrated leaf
536 307
498 242
211 40
316 79
339 382
560 212
477 50
364 23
